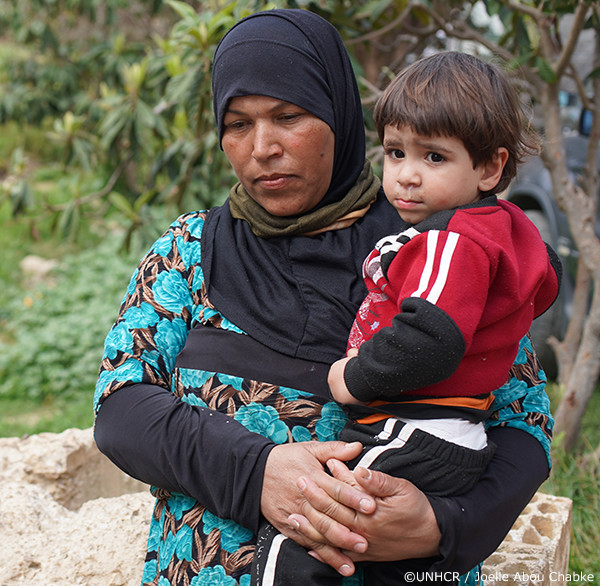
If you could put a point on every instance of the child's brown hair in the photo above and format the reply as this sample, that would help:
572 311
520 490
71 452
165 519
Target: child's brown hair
454 94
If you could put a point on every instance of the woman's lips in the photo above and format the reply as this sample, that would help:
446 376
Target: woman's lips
273 181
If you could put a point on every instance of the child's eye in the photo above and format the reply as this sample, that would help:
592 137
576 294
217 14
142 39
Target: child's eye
435 157
395 153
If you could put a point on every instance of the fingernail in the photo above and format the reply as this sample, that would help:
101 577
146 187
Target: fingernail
294 523
365 472
364 505
345 570
360 547
301 483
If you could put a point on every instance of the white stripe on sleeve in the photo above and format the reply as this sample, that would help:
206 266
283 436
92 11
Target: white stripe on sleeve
442 277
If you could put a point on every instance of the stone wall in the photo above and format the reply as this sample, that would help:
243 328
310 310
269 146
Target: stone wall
68 517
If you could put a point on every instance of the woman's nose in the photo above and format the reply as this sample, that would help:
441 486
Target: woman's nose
266 143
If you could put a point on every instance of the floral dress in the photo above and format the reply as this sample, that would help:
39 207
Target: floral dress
165 300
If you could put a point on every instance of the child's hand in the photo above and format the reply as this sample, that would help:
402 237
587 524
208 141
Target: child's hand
337 385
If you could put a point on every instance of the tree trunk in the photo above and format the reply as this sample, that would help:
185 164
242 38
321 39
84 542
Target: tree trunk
580 206
566 350
582 382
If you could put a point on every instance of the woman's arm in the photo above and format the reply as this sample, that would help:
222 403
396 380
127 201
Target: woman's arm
162 441
140 424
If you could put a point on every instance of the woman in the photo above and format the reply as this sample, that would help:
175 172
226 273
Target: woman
214 374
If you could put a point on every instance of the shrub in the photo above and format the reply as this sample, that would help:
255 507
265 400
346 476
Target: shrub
53 335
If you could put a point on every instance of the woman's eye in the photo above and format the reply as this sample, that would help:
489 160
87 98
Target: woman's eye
435 157
235 125
289 117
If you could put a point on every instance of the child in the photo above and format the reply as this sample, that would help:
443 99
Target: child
451 296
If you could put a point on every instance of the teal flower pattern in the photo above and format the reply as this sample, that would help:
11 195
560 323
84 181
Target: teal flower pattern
263 419
330 424
301 434
172 291
180 503
190 252
129 370
132 283
163 245
143 316
149 572
232 534
213 577
118 339
191 378
293 394
170 338
166 550
194 225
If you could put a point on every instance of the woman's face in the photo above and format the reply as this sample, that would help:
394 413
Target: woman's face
282 154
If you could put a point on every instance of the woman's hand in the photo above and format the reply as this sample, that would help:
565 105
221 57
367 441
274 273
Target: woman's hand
288 469
402 526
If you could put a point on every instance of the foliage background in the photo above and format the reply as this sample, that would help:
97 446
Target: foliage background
105 136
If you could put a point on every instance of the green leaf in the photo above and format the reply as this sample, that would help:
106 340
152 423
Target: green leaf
123 204
594 73
183 9
545 70
373 10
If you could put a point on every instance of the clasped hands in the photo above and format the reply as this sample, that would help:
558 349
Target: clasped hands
345 516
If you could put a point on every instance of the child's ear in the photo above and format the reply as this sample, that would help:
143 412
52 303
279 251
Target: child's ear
492 170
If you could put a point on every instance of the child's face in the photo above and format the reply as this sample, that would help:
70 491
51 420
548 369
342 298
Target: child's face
423 175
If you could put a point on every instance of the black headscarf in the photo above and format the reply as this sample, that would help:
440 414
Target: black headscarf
298 57
296 294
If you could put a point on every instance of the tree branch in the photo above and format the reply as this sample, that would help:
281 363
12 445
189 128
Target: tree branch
96 194
375 34
574 33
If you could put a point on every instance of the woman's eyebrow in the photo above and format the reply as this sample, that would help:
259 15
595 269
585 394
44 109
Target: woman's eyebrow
280 105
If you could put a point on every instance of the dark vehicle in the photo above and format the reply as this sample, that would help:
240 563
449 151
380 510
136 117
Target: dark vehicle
532 192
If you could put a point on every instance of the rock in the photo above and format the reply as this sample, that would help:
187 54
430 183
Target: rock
46 544
36 269
536 550
67 465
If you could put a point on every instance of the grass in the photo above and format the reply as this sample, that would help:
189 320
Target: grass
577 476
22 417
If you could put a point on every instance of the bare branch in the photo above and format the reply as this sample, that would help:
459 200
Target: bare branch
536 14
576 28
459 30
574 75
375 34
96 194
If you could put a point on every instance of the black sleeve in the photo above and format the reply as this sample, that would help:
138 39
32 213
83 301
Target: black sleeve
474 524
423 346
153 436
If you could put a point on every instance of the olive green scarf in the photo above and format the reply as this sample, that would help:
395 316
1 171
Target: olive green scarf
334 216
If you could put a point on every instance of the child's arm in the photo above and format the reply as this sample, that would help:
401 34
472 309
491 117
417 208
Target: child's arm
336 381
